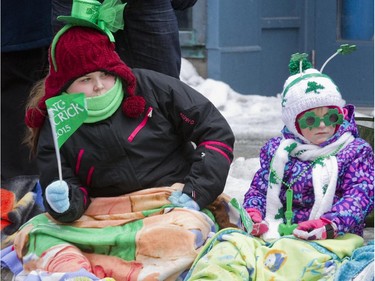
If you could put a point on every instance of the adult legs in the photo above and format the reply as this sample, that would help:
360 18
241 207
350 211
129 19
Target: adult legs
150 38
19 71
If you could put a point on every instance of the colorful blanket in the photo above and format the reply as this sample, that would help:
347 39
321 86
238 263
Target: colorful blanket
233 255
360 266
21 199
138 236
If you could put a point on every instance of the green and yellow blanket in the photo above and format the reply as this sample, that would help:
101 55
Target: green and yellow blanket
234 255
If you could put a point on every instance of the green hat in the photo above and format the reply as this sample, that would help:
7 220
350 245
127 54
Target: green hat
106 17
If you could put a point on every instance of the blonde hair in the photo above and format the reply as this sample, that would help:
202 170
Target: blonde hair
32 134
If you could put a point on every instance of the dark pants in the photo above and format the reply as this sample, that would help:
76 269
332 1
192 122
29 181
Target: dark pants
19 71
150 38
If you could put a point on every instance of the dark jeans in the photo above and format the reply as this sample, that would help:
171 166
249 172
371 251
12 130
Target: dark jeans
150 37
19 71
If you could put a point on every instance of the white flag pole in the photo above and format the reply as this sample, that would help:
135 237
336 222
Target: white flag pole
57 150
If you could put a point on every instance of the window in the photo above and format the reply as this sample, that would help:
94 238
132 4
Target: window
356 19
192 24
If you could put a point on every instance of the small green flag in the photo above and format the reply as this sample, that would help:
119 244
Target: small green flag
67 112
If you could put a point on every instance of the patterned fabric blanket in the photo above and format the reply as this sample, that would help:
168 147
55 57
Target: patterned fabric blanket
138 236
21 199
233 255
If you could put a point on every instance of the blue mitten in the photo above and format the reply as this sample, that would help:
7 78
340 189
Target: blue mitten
57 195
180 199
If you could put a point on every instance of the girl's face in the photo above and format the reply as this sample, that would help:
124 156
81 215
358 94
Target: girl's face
92 84
320 134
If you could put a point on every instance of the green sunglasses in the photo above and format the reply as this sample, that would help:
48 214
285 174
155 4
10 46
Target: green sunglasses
311 120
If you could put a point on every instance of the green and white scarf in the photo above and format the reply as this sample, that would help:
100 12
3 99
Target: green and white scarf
325 172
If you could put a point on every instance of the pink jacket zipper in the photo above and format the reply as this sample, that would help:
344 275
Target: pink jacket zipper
141 125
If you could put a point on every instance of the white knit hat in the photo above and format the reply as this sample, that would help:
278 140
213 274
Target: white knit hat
306 90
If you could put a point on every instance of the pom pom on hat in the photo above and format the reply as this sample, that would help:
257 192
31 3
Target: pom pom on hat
298 63
78 51
133 106
307 90
34 118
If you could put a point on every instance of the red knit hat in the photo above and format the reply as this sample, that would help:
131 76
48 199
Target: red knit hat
78 51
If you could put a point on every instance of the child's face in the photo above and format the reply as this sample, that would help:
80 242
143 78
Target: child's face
92 84
318 135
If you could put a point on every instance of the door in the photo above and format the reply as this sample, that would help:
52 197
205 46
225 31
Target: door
282 34
249 43
346 22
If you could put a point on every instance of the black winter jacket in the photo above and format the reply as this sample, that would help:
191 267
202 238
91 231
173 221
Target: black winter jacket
181 137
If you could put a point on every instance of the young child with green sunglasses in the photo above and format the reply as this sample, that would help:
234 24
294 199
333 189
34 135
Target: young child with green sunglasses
310 197
315 163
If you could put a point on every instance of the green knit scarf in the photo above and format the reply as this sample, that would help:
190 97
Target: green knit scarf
103 106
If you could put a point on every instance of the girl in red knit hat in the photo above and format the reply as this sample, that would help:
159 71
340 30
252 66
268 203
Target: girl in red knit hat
150 142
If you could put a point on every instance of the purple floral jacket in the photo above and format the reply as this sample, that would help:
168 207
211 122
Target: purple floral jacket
354 197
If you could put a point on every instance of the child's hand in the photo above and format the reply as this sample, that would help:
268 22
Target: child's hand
57 195
254 214
259 226
319 229
183 200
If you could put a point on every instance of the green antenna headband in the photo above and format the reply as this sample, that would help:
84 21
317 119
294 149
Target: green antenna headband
299 63
344 50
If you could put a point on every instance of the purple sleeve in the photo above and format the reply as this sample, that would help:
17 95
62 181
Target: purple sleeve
255 197
355 188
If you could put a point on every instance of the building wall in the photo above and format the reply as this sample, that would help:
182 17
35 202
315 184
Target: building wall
248 43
